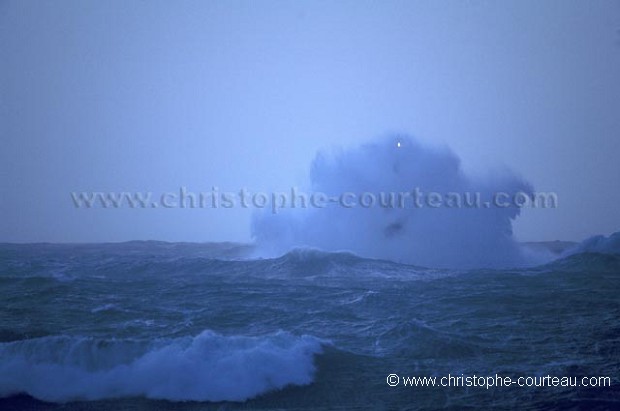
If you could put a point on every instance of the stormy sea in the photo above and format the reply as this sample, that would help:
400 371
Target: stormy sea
185 326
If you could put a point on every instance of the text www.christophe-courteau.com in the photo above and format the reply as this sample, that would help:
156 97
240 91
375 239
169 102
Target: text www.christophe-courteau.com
496 380
295 198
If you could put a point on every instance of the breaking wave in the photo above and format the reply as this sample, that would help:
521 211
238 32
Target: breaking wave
207 367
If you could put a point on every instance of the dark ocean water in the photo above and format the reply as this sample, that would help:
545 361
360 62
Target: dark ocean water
157 326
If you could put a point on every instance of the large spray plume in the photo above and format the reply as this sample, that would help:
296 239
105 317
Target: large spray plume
453 235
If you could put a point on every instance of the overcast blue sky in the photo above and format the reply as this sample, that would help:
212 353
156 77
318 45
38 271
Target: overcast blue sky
137 95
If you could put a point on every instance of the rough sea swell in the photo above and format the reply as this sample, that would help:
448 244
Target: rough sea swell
155 325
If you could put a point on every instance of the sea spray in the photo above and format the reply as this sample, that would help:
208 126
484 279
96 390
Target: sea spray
452 236
208 367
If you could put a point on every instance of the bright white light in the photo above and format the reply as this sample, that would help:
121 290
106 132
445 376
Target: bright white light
398 144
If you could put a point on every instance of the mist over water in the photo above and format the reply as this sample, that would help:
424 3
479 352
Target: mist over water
451 236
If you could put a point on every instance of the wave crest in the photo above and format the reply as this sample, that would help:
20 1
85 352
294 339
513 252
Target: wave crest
208 367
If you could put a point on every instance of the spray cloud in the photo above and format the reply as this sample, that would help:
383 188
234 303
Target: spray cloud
452 235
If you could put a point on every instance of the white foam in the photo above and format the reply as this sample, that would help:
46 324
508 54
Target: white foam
208 367
598 244
105 307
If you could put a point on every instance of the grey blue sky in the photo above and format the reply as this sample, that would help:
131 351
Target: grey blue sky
153 95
